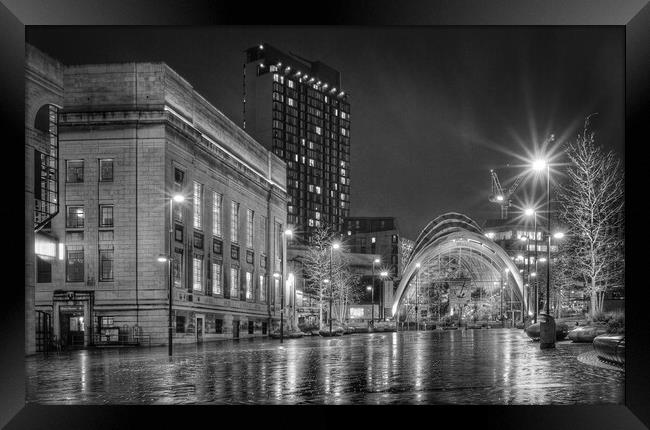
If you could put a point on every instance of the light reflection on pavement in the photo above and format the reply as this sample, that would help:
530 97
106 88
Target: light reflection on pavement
495 366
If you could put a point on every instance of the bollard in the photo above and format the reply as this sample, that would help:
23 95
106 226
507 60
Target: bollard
546 331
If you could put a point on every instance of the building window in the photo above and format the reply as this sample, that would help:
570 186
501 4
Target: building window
106 170
44 270
265 238
106 216
217 246
249 286
197 273
218 326
74 171
198 204
178 232
234 252
177 268
106 262
216 278
74 263
198 240
234 282
75 218
234 222
250 256
249 228
216 214
262 288
180 324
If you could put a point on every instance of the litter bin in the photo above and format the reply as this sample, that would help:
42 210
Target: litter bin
546 331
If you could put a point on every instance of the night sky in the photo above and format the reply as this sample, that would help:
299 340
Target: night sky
433 108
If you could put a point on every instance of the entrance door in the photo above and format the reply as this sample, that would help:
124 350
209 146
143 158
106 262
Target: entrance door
73 328
199 329
235 329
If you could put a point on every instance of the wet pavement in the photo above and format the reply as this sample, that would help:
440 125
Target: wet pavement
496 366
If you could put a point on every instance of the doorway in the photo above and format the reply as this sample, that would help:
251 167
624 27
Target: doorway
235 329
199 329
73 329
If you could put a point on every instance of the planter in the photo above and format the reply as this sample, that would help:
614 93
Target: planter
561 331
586 333
610 347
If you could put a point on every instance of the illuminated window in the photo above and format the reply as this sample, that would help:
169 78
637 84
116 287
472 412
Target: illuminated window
198 204
373 240
249 228
249 285
317 190
319 131
75 218
262 288
216 278
217 207
234 222
290 83
234 282
197 274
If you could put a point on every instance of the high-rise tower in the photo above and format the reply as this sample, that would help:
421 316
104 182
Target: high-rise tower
297 109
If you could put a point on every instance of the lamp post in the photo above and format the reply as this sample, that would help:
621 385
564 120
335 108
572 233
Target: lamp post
287 232
383 274
533 213
372 307
169 259
334 246
417 284
277 275
547 330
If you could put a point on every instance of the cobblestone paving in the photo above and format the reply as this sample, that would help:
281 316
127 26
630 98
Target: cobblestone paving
497 366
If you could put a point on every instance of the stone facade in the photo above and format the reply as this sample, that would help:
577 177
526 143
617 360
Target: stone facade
161 138
43 87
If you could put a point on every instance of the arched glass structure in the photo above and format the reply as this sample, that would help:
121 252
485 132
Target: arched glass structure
455 269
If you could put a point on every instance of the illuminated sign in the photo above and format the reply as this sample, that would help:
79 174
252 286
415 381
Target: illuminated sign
45 246
356 312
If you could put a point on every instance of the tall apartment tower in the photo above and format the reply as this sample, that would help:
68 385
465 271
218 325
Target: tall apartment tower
297 109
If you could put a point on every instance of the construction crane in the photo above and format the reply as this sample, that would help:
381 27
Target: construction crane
501 196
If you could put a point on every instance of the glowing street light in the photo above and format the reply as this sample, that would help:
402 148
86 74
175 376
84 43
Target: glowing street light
539 165
162 258
558 235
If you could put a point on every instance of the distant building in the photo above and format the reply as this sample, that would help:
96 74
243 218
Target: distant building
379 235
130 136
297 109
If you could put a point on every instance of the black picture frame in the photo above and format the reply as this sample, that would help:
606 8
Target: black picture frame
634 15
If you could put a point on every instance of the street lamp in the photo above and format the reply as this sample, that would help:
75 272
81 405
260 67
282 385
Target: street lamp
334 246
289 233
532 212
539 165
372 307
162 258
383 274
417 283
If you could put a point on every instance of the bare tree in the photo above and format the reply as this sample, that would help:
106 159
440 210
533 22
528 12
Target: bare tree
591 205
342 285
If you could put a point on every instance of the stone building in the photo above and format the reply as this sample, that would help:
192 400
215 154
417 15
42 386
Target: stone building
43 98
131 136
